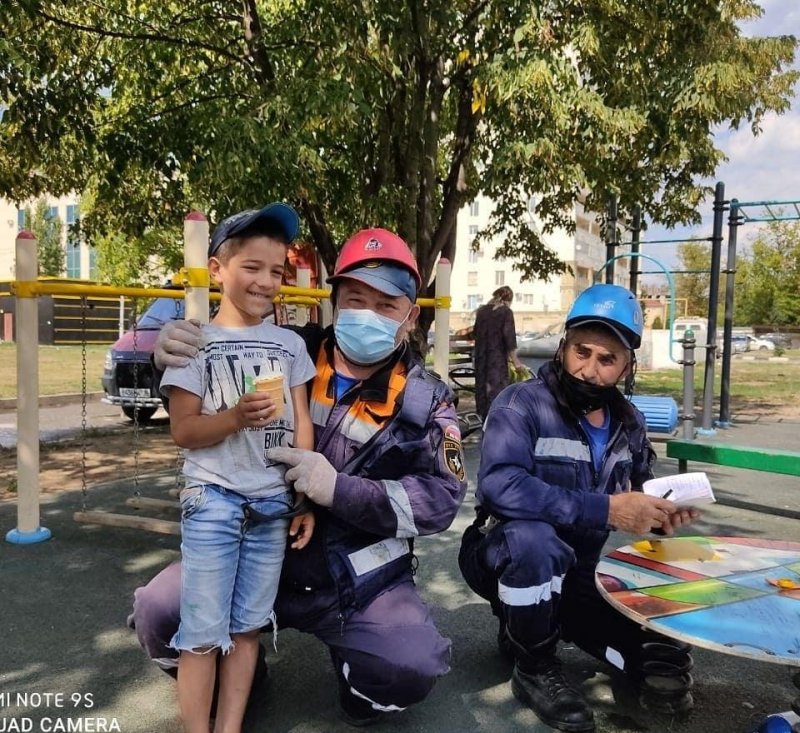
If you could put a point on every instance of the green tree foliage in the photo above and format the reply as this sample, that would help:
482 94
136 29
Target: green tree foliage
47 228
768 277
376 112
694 286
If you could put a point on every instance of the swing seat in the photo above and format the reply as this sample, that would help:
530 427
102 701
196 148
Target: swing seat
109 519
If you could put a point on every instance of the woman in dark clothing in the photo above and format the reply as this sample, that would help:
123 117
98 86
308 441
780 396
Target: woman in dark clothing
495 346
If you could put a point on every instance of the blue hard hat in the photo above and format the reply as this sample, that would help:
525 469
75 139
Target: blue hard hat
613 306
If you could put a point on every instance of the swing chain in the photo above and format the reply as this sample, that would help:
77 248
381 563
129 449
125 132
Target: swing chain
83 405
136 491
178 449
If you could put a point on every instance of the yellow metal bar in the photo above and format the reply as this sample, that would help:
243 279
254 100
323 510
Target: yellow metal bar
295 300
24 288
30 289
305 292
194 277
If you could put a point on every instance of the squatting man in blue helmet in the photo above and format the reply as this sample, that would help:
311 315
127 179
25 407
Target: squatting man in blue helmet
562 467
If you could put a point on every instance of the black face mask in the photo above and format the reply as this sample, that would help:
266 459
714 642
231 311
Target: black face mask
583 397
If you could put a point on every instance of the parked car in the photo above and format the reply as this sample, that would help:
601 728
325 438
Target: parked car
128 378
760 344
544 345
739 343
781 340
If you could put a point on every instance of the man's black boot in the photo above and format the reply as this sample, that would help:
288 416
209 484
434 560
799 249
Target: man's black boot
538 681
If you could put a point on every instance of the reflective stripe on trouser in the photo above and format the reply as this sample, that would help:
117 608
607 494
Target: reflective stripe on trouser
523 564
530 561
389 653
393 651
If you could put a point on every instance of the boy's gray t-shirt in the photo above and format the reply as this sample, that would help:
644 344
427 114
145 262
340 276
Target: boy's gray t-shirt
221 373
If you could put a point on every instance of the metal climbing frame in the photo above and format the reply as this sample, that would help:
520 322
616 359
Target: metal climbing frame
194 277
741 212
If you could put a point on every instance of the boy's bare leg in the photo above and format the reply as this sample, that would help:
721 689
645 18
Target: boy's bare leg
196 673
235 679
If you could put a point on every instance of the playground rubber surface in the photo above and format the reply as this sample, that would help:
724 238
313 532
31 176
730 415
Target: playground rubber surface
67 656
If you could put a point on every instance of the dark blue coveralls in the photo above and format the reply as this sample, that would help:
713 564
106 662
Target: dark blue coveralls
542 520
394 440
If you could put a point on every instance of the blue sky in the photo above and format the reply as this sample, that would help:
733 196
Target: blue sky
758 168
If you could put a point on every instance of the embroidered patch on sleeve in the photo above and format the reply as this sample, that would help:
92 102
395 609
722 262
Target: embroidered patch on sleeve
453 453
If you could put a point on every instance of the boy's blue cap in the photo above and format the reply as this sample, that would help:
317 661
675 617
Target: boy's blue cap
282 214
384 276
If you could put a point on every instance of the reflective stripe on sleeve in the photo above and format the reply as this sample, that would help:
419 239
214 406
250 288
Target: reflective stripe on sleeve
357 430
319 413
401 505
531 595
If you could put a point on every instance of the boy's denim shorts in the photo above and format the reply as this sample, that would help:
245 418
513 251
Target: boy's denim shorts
230 568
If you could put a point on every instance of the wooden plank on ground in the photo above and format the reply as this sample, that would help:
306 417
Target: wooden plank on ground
162 526
160 505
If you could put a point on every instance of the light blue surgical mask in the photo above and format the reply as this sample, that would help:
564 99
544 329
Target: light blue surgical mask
364 336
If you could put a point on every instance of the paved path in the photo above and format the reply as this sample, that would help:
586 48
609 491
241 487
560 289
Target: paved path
64 604
63 419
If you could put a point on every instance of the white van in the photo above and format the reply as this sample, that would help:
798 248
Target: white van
696 323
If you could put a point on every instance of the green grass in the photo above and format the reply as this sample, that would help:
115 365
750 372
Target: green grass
59 369
758 382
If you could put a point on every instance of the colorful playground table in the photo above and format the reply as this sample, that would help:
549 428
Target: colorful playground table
736 595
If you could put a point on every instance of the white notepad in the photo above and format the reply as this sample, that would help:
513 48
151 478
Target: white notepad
684 489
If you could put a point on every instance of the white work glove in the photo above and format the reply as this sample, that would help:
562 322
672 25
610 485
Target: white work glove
310 472
177 342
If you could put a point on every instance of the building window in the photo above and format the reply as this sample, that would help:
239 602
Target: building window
73 214
20 219
518 297
472 302
473 256
529 300
52 212
472 278
474 209
473 231
73 259
499 277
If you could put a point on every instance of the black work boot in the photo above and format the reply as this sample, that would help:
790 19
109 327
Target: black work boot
538 681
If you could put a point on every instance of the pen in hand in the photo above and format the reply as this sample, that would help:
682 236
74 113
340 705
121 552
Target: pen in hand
667 495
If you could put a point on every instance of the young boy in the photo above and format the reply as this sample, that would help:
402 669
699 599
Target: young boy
236 504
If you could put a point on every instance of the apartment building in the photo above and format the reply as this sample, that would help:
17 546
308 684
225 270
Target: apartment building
538 303
79 259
